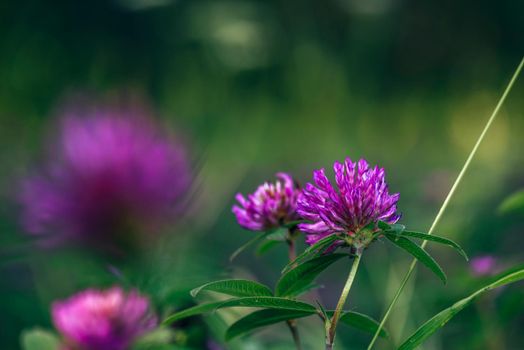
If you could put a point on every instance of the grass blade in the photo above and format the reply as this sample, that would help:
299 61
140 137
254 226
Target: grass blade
440 319
451 193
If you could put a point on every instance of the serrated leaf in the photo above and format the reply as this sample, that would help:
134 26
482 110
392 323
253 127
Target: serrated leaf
436 239
420 254
362 322
269 303
304 274
262 318
312 251
440 319
39 339
234 287
192 311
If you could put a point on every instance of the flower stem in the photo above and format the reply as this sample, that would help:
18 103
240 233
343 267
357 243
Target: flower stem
294 332
292 324
448 198
291 248
330 336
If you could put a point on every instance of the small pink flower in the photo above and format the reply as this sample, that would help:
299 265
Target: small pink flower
270 206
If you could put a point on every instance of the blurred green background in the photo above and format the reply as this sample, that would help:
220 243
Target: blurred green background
257 87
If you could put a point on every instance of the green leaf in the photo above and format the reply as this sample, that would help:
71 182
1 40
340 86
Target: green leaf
514 203
269 303
304 274
266 246
362 322
292 224
262 302
158 339
235 287
279 234
158 347
312 251
192 311
274 234
325 314
384 226
436 239
39 339
419 253
252 241
262 318
393 228
306 289
440 319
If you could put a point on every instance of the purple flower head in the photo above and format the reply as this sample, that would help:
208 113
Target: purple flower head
270 206
103 320
111 171
483 265
362 198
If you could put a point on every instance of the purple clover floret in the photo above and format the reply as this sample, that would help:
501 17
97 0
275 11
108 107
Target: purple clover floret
361 199
103 320
270 206
111 171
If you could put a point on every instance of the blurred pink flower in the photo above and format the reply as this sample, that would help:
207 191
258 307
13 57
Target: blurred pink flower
483 265
103 320
112 171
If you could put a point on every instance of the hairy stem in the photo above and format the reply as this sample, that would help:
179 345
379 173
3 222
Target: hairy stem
330 336
448 198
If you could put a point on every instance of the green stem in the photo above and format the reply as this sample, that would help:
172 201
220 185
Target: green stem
291 248
294 332
292 324
330 336
448 198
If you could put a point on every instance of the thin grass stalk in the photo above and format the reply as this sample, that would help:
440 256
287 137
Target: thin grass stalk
448 197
